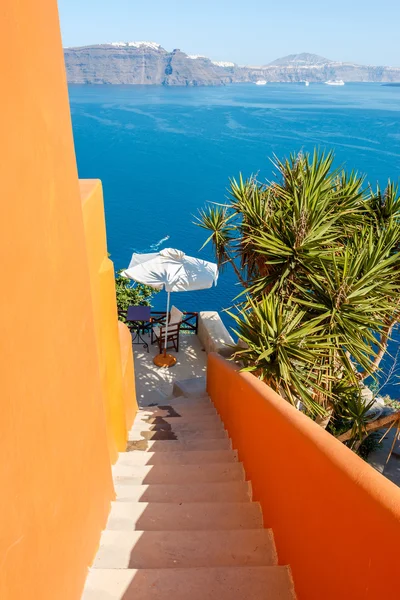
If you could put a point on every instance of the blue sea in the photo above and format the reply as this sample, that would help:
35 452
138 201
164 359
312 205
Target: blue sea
162 153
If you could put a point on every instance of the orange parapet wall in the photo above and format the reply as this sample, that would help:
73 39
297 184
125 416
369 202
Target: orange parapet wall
102 280
55 472
128 375
336 520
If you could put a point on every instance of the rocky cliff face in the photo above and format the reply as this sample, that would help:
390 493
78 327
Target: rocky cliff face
144 65
147 63
300 67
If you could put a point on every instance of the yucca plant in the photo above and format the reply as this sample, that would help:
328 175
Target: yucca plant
317 253
352 409
283 348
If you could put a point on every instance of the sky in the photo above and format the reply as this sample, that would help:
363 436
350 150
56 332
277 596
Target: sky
251 32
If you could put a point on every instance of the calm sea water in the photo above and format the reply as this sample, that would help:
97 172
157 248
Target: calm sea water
162 153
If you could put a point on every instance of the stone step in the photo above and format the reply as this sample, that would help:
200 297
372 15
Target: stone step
142 445
202 420
216 583
194 457
155 396
182 436
143 516
184 549
195 402
201 399
214 423
176 411
231 491
182 474
190 388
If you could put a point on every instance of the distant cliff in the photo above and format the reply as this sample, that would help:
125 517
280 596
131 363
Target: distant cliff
143 64
147 63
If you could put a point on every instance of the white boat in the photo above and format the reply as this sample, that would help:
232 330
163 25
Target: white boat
261 82
307 83
335 82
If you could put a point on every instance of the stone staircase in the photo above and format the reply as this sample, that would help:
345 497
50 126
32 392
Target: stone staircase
183 525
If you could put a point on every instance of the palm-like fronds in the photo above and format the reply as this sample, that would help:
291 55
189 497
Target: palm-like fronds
384 205
318 255
216 220
283 349
352 408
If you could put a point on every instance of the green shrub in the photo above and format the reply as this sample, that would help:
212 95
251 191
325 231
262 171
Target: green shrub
130 293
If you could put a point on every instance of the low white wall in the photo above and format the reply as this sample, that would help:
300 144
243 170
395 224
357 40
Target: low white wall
213 334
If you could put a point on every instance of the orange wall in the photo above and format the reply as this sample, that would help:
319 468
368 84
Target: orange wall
55 475
102 280
336 520
128 375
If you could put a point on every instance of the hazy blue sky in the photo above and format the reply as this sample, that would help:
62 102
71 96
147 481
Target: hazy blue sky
245 31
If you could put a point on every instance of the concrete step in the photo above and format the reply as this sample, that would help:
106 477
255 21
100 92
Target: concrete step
142 445
183 474
182 410
217 583
164 550
190 388
194 457
155 396
180 399
194 402
231 491
143 516
202 420
182 436
180 425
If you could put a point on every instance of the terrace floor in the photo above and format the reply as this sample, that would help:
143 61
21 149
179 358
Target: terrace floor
151 380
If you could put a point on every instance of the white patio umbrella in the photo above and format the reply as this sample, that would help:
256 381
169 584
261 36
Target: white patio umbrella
174 271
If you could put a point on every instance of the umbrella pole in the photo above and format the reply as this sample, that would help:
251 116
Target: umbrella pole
165 360
166 324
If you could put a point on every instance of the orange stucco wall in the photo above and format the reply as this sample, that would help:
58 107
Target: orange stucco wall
128 375
336 520
102 280
55 473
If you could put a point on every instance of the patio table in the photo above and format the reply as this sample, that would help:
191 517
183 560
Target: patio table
138 316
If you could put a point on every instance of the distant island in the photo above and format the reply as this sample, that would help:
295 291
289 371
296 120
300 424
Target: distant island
147 63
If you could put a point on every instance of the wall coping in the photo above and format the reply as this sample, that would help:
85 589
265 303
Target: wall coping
213 334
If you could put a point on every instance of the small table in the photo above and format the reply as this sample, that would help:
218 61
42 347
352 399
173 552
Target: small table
137 315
